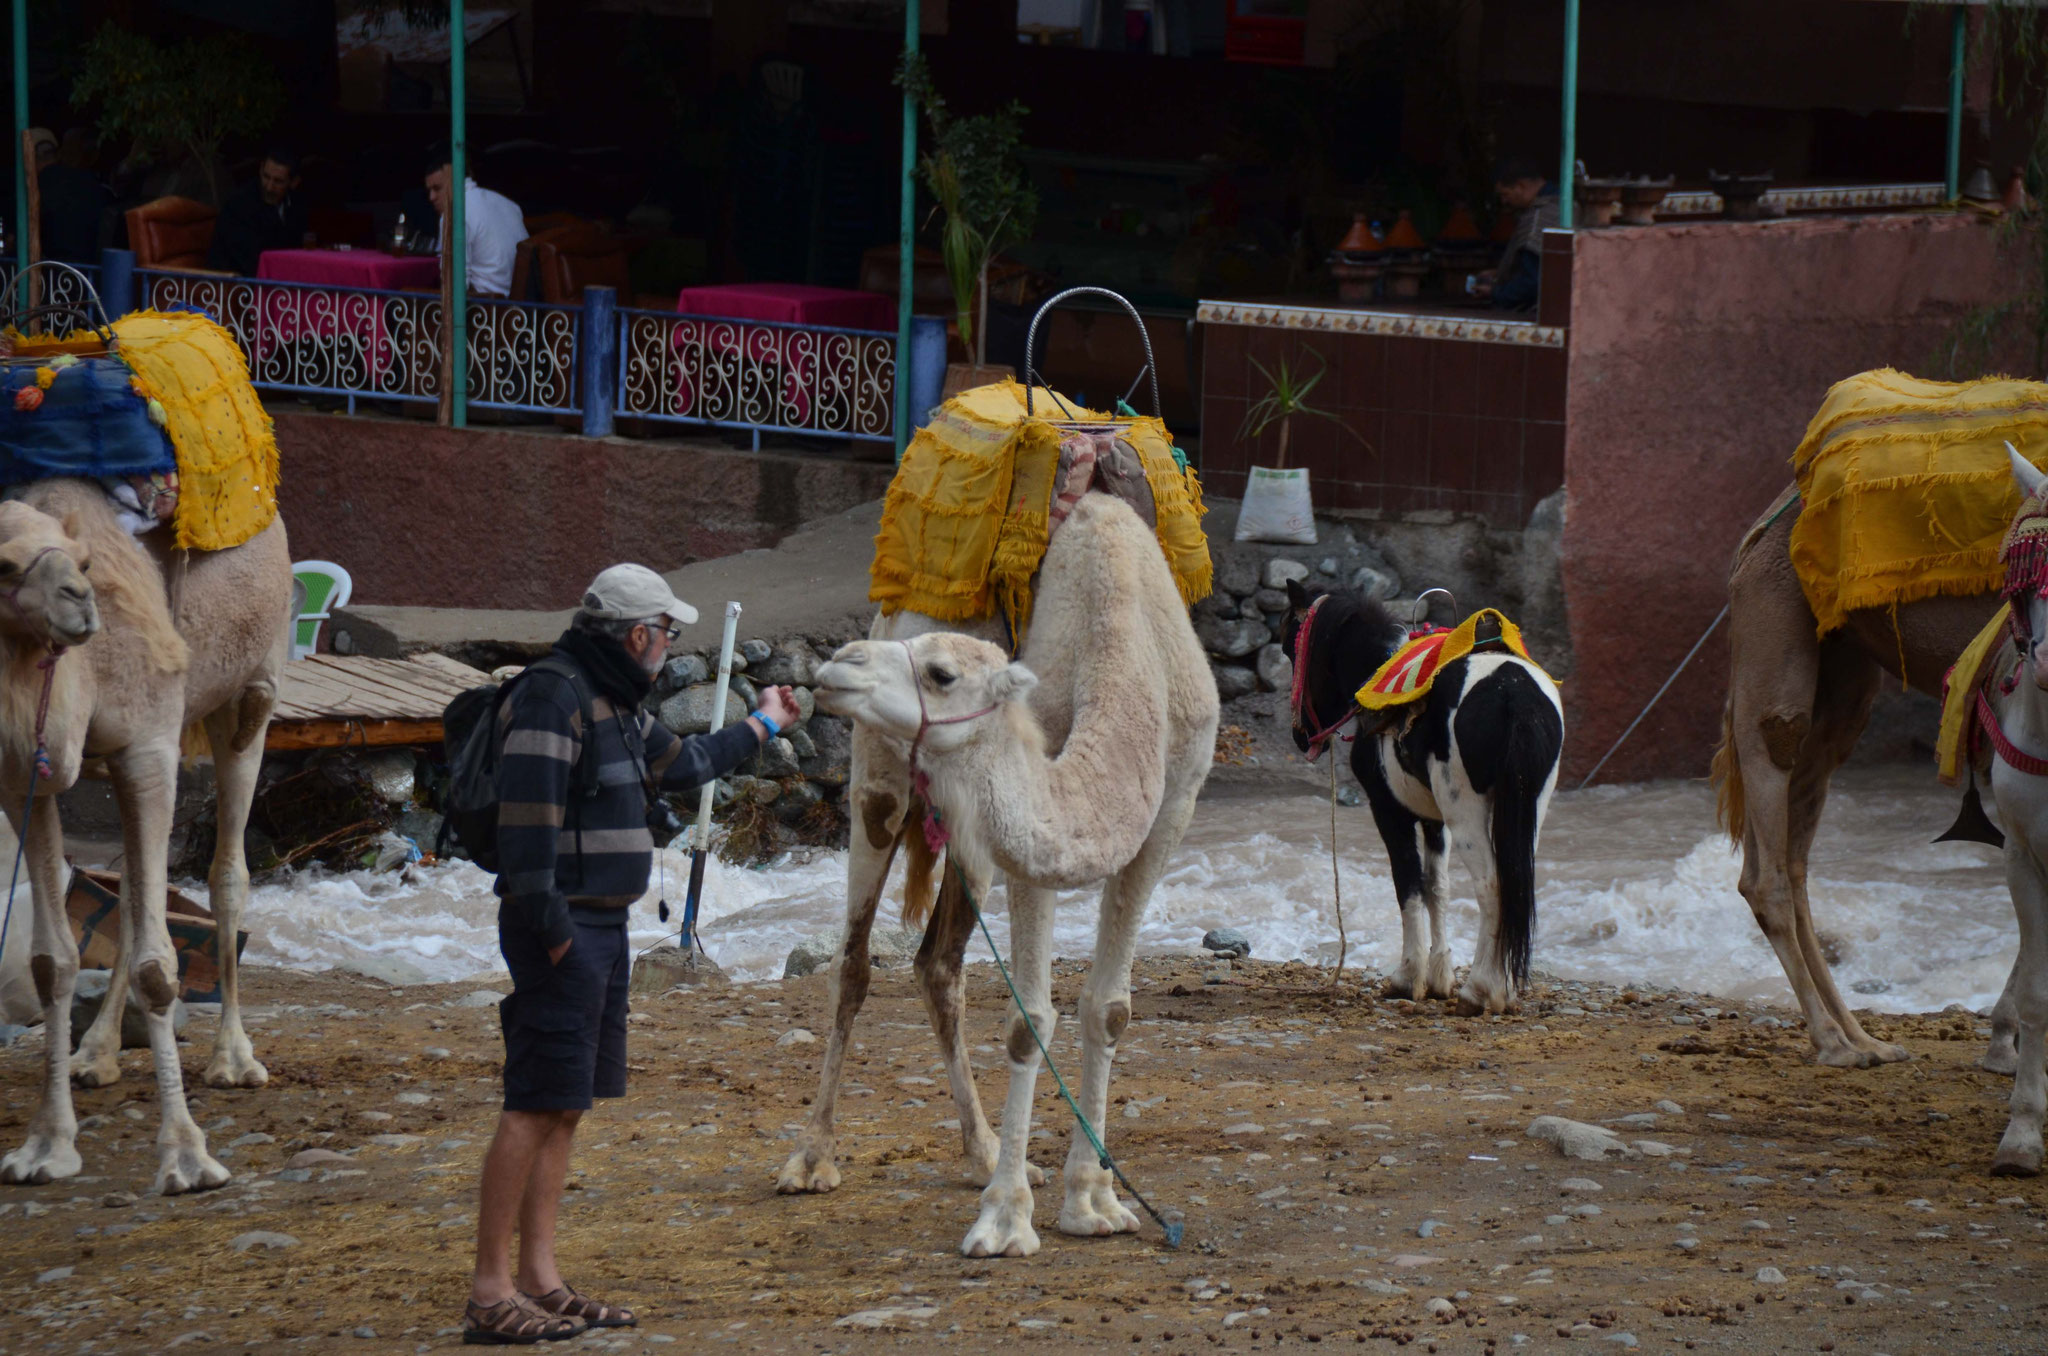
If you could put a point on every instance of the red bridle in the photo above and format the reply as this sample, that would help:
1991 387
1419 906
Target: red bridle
935 832
1303 706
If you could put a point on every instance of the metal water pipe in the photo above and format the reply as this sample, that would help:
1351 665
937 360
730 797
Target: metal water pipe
1959 24
906 228
1567 172
22 169
458 204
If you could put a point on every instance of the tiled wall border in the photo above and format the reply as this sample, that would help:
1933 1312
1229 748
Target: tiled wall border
1849 198
1343 320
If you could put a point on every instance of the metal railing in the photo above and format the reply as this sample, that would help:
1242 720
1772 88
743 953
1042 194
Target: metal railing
761 375
321 339
57 287
589 361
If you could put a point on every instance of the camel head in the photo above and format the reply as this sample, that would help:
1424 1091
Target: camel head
45 597
941 682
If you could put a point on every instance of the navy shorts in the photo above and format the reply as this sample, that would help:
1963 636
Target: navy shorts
565 1025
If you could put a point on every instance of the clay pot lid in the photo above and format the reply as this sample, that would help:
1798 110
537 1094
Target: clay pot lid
1360 239
1404 236
1460 229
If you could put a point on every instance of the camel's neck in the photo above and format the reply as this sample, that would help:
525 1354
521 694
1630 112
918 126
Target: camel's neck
22 677
1064 821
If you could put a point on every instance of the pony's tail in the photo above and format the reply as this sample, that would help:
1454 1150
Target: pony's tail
1531 754
1731 807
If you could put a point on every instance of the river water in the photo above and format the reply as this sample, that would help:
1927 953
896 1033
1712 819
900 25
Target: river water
1635 885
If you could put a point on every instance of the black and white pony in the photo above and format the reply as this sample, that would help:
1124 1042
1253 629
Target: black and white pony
1476 758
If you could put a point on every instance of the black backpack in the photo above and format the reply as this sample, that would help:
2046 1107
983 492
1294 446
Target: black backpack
469 742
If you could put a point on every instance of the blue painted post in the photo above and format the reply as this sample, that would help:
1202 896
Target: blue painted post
22 167
907 232
927 375
458 204
1959 30
117 282
597 355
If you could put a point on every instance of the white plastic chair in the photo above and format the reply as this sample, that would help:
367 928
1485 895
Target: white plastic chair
327 587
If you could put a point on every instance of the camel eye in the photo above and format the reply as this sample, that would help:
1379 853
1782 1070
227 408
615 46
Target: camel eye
85 565
940 677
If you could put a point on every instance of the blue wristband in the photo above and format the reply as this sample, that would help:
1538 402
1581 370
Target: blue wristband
773 728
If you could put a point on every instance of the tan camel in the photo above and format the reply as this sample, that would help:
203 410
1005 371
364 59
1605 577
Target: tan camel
1796 705
123 691
1079 763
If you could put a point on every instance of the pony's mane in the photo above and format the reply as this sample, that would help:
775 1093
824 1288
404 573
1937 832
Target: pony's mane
125 581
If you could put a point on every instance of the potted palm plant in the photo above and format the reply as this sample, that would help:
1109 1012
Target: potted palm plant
975 173
1277 505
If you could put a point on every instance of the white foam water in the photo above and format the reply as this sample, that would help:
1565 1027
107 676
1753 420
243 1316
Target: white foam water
1635 885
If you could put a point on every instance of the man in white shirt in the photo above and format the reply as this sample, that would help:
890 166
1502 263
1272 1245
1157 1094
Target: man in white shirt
492 227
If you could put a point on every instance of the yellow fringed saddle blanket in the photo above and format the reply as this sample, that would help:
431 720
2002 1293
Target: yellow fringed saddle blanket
196 381
983 485
1906 489
1411 672
1959 696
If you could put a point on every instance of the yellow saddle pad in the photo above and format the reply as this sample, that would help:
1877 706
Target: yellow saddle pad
1906 489
1409 675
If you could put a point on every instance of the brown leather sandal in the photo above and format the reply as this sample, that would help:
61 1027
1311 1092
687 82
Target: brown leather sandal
568 1303
516 1321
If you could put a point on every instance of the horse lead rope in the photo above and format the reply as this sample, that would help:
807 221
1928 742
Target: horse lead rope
936 836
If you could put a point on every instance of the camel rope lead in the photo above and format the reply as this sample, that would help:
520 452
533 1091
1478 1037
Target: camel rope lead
1173 1229
1336 881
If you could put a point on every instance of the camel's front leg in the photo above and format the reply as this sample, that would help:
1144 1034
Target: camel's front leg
97 1061
943 982
145 780
2019 1152
234 1062
1004 1226
878 820
51 1150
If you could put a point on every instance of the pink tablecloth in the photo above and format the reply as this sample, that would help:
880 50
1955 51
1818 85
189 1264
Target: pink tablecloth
350 268
791 304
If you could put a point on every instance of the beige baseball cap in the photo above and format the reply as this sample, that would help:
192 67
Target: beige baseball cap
633 593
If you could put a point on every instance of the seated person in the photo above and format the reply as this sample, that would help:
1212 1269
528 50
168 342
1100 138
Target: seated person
1525 191
492 227
266 214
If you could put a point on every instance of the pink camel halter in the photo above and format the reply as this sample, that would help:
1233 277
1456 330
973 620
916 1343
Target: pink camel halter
935 832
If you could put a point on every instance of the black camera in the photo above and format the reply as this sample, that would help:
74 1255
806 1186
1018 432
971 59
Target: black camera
664 825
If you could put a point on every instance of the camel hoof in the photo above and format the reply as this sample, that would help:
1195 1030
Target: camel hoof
42 1159
1004 1228
2001 1058
98 1072
1858 1057
232 1071
803 1176
188 1167
1095 1212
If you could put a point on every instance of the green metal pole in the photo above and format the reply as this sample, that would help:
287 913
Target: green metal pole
1570 91
907 255
22 169
458 195
1959 23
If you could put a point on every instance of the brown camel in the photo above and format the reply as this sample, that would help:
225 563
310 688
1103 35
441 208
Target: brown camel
1796 705
126 681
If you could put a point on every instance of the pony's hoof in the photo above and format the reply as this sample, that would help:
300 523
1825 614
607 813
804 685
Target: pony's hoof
188 1167
43 1159
1004 1228
2017 1157
803 1174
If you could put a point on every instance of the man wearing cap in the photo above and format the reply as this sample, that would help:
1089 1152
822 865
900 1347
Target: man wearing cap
569 866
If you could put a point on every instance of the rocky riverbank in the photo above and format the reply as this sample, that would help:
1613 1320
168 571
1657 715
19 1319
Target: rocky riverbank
1347 1169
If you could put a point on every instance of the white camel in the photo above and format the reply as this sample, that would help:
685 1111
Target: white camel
123 679
2021 715
1079 763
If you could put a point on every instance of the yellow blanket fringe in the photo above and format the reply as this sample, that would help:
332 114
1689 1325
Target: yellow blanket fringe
966 519
227 452
1959 703
1906 489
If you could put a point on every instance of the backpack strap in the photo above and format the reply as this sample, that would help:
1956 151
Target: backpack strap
585 772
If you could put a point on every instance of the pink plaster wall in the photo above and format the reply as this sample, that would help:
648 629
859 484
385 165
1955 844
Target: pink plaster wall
508 518
1698 354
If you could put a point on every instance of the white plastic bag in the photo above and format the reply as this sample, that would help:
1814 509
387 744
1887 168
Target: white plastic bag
1276 507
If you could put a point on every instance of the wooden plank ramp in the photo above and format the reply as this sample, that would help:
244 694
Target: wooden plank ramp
346 701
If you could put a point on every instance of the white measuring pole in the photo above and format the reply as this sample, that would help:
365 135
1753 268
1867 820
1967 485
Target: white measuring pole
702 842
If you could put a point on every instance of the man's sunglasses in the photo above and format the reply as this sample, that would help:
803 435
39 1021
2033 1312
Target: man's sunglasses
670 632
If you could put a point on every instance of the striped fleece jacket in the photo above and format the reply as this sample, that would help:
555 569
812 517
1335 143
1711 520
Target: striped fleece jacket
540 871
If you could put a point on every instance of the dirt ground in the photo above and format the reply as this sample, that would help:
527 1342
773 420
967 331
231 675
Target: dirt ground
1310 1141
